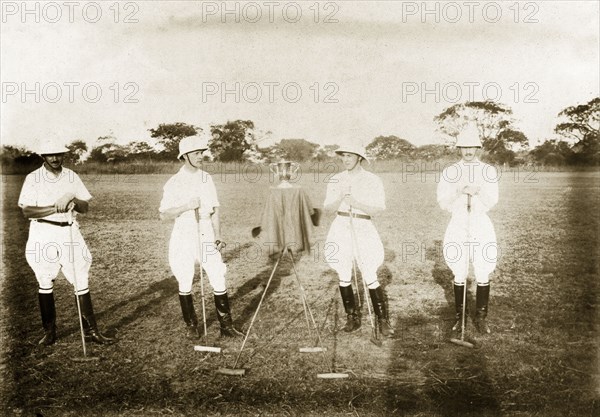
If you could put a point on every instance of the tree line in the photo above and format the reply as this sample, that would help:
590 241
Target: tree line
238 140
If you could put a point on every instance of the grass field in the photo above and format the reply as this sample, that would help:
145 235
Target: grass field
542 358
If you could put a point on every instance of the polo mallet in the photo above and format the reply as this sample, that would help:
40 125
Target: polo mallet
85 358
307 313
354 272
356 258
205 347
461 341
241 371
331 374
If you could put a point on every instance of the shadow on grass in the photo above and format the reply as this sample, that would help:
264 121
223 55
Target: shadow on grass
148 301
255 286
19 311
457 381
159 292
442 275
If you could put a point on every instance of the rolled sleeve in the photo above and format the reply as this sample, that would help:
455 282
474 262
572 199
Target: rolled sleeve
168 200
28 196
81 191
211 199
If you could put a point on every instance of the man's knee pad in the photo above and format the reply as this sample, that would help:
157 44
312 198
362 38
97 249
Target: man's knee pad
185 287
218 283
345 283
185 281
46 290
370 277
45 282
373 285
81 276
482 279
460 279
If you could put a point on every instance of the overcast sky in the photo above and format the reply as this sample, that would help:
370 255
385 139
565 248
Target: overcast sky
352 71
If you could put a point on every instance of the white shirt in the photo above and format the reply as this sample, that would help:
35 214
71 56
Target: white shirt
42 188
364 186
184 186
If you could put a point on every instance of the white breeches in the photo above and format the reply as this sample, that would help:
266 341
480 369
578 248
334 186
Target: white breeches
51 249
478 247
339 250
184 252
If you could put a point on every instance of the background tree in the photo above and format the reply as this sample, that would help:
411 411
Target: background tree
433 152
107 150
17 156
77 149
502 148
267 153
297 150
552 152
140 150
326 152
494 121
582 126
169 135
390 147
231 140
489 116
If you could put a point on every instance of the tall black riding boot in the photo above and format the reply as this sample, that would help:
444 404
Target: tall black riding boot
48 311
381 311
189 316
458 304
224 316
90 328
353 318
481 304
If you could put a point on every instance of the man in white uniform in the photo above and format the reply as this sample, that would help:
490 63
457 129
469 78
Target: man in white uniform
358 193
470 237
190 198
48 194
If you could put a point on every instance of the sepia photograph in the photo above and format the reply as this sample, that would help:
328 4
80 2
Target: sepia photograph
300 208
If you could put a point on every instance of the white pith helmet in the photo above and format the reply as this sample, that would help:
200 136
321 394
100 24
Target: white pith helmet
51 148
353 148
192 143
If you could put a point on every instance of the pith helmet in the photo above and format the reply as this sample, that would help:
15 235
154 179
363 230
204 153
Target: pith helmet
355 149
51 147
192 143
468 138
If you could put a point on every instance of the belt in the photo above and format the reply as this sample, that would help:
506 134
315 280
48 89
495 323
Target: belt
355 215
61 224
